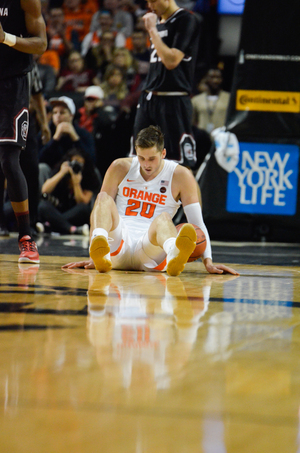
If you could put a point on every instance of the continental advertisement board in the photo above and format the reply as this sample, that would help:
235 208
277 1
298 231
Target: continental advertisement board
265 94
268 101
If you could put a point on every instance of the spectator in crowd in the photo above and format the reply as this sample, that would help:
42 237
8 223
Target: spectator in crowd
67 194
76 77
122 20
113 140
210 107
59 40
93 103
141 52
114 87
123 59
47 76
78 16
48 107
93 38
50 59
65 134
202 85
139 25
134 8
107 128
100 56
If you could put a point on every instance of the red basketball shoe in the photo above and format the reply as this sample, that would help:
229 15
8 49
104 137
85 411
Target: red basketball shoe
29 251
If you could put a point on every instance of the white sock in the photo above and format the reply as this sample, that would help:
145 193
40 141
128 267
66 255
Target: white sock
99 232
169 244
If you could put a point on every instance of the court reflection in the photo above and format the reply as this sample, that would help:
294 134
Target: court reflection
235 335
260 322
27 274
137 362
144 328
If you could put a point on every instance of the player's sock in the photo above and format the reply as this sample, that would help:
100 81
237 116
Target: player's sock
99 232
100 253
169 244
185 244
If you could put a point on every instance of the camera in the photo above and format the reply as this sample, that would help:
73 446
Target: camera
76 166
53 200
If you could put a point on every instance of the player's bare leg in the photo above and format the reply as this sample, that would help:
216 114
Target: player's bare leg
104 218
178 246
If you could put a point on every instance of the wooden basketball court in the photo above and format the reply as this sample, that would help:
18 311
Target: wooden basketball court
133 362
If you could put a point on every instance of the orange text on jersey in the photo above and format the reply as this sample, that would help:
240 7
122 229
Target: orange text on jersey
144 195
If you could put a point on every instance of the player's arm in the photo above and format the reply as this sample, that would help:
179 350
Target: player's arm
185 188
170 57
35 24
114 176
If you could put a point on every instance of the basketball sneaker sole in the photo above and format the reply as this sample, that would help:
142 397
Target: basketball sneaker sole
186 243
99 248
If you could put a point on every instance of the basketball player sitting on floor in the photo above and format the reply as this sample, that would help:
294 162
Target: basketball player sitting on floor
131 222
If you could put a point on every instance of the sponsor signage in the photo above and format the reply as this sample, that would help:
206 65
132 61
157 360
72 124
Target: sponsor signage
268 101
231 6
265 180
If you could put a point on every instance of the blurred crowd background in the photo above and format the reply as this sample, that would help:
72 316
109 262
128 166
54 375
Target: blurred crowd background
104 43
95 64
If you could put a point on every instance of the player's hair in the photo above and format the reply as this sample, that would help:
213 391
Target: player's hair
149 137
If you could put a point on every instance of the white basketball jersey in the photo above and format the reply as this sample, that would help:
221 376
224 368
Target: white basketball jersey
139 202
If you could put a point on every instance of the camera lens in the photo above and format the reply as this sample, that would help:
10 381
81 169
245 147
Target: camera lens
76 166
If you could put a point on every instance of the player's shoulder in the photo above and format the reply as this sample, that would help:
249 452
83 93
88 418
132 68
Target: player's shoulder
182 173
183 181
187 14
117 170
186 20
121 165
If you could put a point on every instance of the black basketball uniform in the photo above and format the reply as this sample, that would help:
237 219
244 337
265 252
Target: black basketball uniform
165 100
14 89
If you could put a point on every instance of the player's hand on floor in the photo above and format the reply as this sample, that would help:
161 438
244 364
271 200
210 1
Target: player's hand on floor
87 264
220 269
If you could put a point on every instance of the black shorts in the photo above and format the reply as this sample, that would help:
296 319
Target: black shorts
14 102
173 114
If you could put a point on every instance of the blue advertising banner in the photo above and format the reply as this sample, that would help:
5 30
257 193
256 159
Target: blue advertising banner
265 180
231 6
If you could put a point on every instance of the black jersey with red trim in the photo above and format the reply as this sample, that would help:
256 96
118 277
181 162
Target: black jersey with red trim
12 18
180 31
